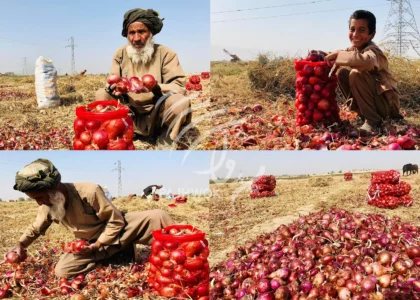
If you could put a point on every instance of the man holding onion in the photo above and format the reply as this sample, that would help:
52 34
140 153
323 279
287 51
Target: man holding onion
368 83
83 209
165 104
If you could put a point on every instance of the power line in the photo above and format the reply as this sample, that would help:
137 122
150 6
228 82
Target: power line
401 28
25 68
73 61
266 7
119 177
295 14
19 42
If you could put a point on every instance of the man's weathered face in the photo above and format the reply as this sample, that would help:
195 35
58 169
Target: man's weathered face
42 198
138 34
54 199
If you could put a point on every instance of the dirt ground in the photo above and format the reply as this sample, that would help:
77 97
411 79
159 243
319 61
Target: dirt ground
21 119
235 218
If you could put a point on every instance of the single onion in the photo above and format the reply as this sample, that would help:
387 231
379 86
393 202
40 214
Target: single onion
368 285
344 294
275 283
393 146
12 257
413 252
306 286
113 78
263 286
384 257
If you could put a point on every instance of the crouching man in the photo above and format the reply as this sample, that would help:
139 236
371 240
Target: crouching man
83 209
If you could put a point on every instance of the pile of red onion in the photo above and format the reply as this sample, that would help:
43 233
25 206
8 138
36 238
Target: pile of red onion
35 278
30 138
333 254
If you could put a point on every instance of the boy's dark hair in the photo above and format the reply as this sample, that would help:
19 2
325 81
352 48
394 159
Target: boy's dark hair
366 15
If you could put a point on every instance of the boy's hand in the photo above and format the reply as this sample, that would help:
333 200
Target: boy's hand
330 58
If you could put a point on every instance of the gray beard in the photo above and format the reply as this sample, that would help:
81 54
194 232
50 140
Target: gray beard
57 211
143 55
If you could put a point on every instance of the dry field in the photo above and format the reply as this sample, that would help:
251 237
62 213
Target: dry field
23 126
18 215
269 81
235 218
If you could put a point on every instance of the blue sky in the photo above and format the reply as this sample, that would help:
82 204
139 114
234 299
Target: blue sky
175 170
229 164
289 35
43 28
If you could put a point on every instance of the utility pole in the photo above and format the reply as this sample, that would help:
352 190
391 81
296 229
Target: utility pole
25 69
73 61
401 29
118 169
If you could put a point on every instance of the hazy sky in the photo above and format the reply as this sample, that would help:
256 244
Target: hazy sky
228 164
43 28
175 170
289 35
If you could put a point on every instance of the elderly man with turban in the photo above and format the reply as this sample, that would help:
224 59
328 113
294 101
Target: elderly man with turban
83 209
165 104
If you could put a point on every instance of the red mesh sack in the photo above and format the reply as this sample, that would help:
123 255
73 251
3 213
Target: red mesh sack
264 194
385 189
181 199
265 179
406 200
195 79
265 187
179 267
103 125
389 202
390 177
315 93
205 75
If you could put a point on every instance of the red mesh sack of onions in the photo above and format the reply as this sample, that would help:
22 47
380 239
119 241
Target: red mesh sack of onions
265 187
384 189
265 179
205 75
193 87
390 177
254 187
263 194
103 125
315 91
181 199
389 202
406 200
179 266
